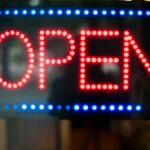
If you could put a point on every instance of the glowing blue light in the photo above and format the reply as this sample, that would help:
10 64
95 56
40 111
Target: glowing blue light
95 12
33 12
24 12
130 12
7 12
42 12
103 107
68 12
32 106
104 12
77 12
15 12
68 107
59 12
147 13
76 107
86 12
94 107
111 107
122 12
50 12
15 106
50 107
139 13
120 107
112 12
129 107
41 107
24 106
138 108
7 106
85 107
59 107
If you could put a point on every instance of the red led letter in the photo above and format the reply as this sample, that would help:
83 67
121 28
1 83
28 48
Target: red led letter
43 61
130 42
30 55
84 59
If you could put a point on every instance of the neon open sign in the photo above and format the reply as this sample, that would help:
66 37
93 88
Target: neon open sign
129 43
93 68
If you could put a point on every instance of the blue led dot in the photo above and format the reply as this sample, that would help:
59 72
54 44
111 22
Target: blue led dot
68 12
59 12
24 106
76 107
59 107
95 12
15 12
77 12
122 12
7 12
94 107
148 13
15 106
139 13
50 107
138 108
104 12
103 107
32 107
24 12
6 106
41 107
111 107
130 12
129 108
68 107
85 107
42 12
113 12
33 12
50 12
86 12
120 107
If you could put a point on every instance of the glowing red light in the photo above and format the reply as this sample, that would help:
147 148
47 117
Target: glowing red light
129 43
30 55
43 61
84 59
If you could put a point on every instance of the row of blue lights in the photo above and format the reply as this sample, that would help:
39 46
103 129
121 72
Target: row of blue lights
76 12
75 107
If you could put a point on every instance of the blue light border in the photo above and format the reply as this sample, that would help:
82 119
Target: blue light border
26 107
76 12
